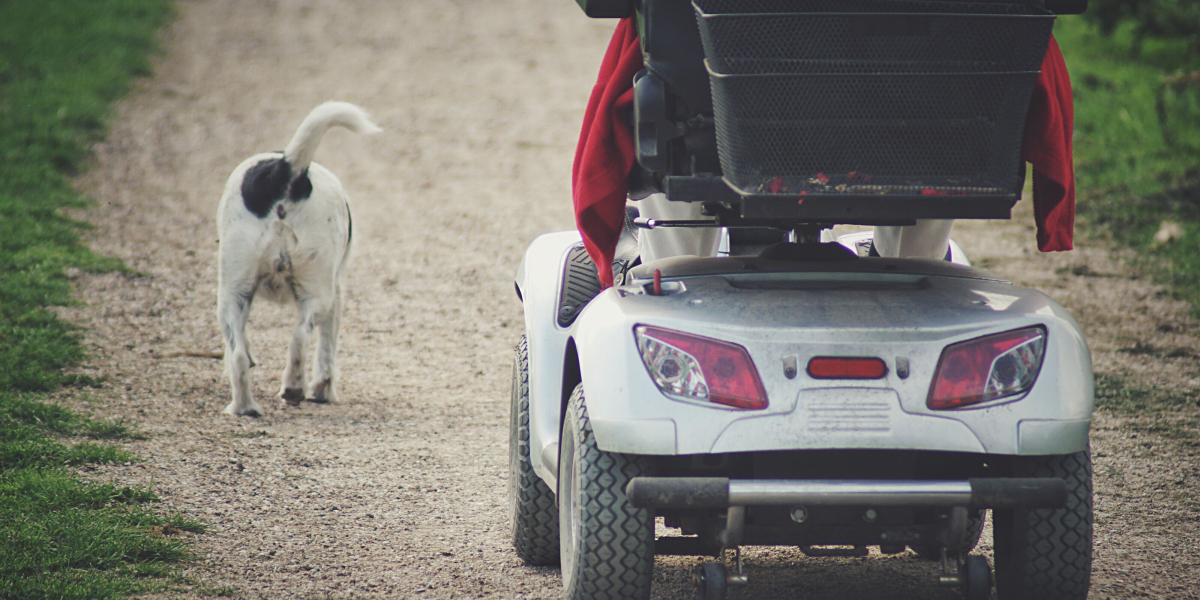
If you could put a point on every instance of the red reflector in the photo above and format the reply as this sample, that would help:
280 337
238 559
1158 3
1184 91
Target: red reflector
840 367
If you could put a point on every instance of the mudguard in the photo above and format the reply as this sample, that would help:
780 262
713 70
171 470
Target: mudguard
538 281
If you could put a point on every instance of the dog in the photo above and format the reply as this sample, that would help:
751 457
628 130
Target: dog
284 231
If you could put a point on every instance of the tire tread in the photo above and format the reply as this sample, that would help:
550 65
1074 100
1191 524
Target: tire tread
534 511
616 557
1047 553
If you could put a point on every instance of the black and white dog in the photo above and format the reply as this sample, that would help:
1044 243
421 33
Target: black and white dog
284 227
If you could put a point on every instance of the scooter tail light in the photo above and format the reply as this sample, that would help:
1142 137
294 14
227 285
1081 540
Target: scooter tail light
700 368
989 368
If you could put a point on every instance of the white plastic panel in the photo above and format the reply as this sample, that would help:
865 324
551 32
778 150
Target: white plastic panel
539 277
644 436
846 417
619 389
1052 437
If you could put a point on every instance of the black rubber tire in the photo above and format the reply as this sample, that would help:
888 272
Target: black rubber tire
607 546
532 510
713 585
977 578
974 530
1044 554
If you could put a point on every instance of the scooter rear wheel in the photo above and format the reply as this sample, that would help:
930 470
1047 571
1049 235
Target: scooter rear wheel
977 578
711 579
607 546
1044 554
969 541
532 511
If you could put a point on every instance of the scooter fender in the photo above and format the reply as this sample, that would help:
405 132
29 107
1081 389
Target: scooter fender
538 281
624 406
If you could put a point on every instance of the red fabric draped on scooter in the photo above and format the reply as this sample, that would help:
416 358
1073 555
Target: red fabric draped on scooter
605 153
1047 147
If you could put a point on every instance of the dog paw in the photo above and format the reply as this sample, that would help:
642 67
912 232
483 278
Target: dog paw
250 410
323 393
292 396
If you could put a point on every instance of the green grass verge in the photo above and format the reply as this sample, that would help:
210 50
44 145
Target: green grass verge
63 537
62 63
1168 416
66 538
1137 144
1137 164
1115 394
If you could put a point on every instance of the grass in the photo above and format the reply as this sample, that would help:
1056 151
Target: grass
67 539
1115 394
1161 413
1137 145
1137 164
25 425
63 537
62 64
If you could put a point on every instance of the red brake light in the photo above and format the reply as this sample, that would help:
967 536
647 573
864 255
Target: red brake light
988 368
840 367
700 368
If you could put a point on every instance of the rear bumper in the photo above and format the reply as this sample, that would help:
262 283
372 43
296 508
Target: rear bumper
719 492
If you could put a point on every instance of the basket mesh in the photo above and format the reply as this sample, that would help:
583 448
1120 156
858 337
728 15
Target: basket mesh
878 97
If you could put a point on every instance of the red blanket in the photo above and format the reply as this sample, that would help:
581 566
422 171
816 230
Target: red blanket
605 153
1047 146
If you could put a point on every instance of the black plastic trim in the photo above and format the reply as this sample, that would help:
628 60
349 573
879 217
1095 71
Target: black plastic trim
1066 7
606 9
580 283
1018 492
678 492
877 210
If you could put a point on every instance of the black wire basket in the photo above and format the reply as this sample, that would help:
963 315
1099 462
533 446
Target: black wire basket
871 97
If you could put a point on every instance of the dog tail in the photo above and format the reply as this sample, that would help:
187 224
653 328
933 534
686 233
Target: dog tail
299 151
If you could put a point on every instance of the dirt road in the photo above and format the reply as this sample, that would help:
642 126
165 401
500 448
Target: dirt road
400 490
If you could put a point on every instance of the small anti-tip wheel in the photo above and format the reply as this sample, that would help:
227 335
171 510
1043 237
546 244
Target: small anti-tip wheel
977 578
710 577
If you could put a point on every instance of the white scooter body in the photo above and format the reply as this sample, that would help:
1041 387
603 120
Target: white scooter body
899 310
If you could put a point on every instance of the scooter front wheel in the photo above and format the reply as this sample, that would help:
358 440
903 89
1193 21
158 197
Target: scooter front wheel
532 512
607 546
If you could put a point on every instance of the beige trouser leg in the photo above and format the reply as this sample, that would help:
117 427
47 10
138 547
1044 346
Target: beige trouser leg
666 242
929 238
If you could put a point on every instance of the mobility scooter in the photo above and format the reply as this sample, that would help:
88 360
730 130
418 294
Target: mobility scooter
797 389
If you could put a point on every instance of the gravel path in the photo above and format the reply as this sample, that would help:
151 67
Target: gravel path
400 490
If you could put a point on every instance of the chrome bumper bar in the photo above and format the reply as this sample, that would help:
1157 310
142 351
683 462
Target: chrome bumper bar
718 492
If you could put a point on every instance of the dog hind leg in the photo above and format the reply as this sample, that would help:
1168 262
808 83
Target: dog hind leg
325 367
291 391
233 310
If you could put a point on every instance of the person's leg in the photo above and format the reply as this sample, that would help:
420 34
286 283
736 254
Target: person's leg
666 242
929 238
